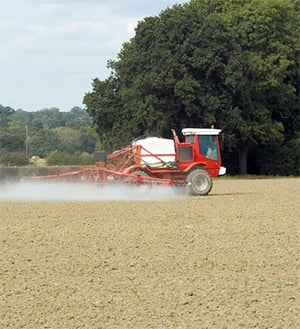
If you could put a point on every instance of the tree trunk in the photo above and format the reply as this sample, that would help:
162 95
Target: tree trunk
243 158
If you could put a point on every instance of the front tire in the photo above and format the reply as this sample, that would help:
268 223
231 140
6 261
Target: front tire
199 182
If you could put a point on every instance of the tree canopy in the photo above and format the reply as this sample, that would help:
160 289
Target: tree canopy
231 63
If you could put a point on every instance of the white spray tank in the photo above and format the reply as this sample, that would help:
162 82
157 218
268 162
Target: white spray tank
163 148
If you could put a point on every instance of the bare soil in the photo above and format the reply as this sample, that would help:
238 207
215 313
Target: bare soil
228 260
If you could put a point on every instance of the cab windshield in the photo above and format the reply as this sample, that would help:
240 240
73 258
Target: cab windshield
208 147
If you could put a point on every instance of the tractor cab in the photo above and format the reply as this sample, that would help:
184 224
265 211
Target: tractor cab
204 147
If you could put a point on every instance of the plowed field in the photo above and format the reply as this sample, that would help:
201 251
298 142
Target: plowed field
229 260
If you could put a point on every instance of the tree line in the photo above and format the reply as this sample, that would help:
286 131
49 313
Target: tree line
61 138
230 63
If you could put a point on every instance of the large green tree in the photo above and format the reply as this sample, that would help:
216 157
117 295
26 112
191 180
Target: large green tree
232 63
261 74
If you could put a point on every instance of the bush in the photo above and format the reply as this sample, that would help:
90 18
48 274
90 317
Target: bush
280 160
58 158
9 158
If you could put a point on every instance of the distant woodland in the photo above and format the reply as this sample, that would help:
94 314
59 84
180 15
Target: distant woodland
47 137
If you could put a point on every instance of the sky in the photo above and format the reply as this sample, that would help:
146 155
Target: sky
51 50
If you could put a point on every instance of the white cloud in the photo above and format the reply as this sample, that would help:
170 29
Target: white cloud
51 49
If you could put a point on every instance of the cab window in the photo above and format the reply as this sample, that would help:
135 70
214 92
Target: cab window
208 147
190 139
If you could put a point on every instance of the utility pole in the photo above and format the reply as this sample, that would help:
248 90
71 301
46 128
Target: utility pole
26 142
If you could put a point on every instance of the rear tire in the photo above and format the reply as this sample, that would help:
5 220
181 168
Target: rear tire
199 182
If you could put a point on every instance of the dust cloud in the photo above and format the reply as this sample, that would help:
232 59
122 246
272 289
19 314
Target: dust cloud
38 191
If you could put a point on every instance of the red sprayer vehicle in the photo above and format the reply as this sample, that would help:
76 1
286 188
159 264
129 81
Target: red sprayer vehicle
190 164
